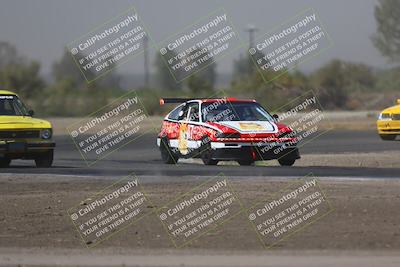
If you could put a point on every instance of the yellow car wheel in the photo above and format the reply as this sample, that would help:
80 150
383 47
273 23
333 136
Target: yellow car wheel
388 137
4 162
45 160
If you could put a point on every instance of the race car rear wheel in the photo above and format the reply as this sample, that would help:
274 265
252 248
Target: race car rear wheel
287 160
388 137
5 162
45 160
167 155
206 156
245 162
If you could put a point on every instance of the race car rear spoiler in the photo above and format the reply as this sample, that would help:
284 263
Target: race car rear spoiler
174 100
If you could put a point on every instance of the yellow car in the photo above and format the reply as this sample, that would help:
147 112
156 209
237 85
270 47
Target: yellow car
21 135
389 122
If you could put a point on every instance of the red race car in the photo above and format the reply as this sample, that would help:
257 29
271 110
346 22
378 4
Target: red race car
224 129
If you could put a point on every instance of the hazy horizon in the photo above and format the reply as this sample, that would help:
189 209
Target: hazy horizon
41 29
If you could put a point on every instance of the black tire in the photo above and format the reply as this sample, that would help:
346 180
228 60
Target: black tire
5 162
286 160
206 156
45 160
167 155
388 137
245 162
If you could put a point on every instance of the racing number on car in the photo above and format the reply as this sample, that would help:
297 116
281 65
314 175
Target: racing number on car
183 138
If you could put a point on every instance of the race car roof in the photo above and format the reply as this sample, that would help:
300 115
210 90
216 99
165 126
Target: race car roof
205 100
5 92
228 99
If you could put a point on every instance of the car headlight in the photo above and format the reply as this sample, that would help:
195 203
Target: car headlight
46 133
384 116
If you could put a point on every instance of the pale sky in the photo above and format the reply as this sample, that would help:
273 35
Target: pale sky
41 28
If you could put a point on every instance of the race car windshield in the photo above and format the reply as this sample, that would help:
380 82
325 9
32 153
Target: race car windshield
234 111
12 106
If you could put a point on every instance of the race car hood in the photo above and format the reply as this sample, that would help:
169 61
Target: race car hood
251 126
394 109
22 122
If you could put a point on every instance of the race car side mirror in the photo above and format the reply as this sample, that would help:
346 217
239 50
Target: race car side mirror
275 116
31 113
398 101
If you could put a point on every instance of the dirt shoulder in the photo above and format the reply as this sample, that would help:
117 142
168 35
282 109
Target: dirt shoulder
121 257
33 214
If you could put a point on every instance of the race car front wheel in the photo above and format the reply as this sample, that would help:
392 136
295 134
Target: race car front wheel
167 155
4 162
287 160
206 155
388 137
245 162
45 160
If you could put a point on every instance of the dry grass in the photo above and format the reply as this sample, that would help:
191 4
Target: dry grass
359 120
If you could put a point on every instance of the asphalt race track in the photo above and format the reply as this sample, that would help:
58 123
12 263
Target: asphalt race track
142 157
364 200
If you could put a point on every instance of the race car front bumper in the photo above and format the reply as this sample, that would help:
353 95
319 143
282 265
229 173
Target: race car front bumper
238 150
388 127
25 149
255 151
